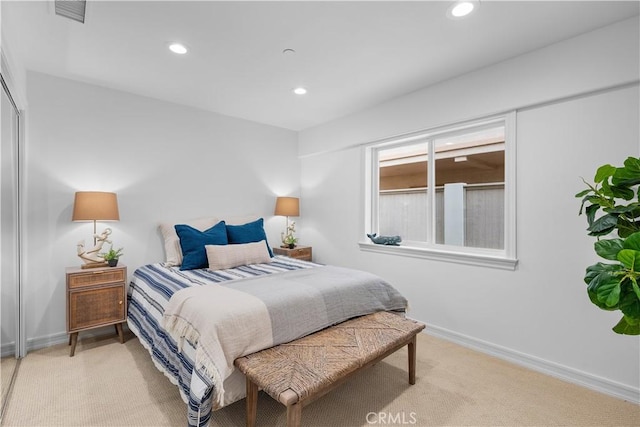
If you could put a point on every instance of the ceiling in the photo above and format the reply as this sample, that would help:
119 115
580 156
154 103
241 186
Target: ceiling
350 55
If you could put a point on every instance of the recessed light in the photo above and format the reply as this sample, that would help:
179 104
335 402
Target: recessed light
178 48
461 9
300 91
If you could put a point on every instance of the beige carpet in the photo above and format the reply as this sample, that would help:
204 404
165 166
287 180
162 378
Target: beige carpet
7 366
110 384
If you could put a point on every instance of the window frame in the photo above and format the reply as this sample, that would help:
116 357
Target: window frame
496 258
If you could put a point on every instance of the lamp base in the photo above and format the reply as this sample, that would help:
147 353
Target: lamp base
94 265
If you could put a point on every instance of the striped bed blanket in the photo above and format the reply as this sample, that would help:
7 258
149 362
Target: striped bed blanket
196 352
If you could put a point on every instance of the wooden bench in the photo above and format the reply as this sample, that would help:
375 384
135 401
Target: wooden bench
303 370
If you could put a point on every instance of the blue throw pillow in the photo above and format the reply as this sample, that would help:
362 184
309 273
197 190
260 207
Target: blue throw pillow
192 242
248 233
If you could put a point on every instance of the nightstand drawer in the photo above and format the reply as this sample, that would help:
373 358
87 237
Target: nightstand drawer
300 253
96 306
101 277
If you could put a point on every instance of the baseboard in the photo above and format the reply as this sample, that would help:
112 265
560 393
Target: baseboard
8 349
63 337
48 341
556 370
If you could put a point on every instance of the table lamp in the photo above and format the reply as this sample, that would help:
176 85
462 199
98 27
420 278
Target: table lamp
95 206
288 206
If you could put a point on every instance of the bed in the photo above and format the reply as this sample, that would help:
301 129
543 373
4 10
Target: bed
195 322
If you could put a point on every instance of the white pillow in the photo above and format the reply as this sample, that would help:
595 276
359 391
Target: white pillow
173 252
221 257
240 219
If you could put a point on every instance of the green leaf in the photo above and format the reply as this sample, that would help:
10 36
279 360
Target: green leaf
631 321
595 200
630 304
626 228
594 278
606 189
595 270
608 249
625 328
607 289
622 192
612 293
622 209
584 192
593 296
632 165
629 258
601 278
634 213
591 213
632 242
629 175
603 225
604 172
636 291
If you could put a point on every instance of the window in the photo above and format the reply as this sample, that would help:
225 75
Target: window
449 193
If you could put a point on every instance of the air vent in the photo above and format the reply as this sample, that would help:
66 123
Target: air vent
72 9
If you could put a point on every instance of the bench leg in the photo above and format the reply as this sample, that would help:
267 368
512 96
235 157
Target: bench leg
252 403
412 360
294 415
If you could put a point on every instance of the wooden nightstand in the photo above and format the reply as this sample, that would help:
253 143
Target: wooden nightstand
95 297
299 252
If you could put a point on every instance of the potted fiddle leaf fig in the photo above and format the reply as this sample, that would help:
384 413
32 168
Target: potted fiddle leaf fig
612 208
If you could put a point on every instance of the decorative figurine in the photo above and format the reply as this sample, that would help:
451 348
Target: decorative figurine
385 240
289 240
92 258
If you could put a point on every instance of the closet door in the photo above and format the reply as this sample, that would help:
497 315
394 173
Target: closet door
9 239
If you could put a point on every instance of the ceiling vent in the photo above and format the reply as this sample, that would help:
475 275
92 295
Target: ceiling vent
72 9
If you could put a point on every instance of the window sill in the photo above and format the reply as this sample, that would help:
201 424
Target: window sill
468 258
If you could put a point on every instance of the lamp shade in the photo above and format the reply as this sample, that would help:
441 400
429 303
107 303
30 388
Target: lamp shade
95 206
287 206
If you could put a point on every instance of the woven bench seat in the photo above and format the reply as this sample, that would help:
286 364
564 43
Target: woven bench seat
299 372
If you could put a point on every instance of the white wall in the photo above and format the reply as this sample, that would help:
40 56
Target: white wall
592 61
538 315
166 162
